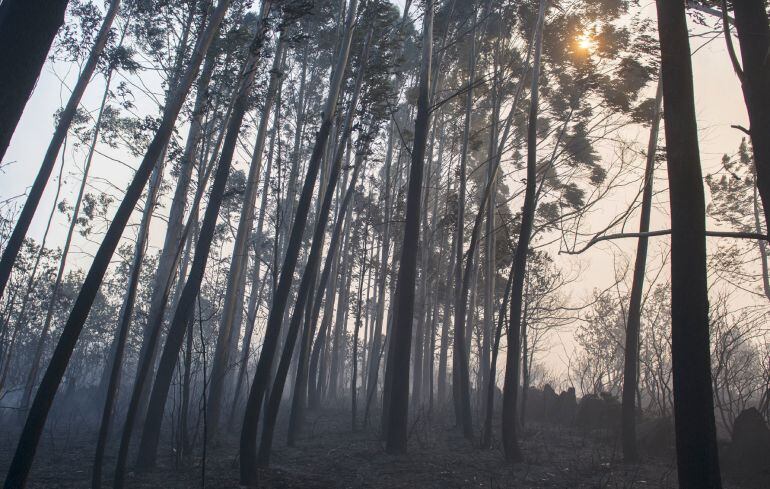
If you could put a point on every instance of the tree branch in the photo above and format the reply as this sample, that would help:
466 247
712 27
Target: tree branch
663 232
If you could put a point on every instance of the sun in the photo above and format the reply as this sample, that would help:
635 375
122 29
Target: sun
586 42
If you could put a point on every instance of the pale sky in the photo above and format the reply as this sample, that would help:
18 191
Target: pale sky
719 104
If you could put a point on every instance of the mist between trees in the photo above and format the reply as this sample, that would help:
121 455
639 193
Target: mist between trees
467 243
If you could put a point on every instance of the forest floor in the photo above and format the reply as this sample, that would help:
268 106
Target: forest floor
330 455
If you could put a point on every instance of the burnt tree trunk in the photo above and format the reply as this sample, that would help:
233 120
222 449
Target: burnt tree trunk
148 446
513 357
696 444
33 428
248 442
398 363
27 28
631 360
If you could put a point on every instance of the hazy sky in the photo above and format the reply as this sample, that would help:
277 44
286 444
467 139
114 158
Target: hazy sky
719 104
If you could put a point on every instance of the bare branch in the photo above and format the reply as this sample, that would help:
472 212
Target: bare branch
663 232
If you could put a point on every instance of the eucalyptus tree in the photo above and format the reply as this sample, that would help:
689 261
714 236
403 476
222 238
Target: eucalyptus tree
27 29
280 298
15 17
696 446
185 308
460 363
30 436
511 387
236 276
399 354
631 359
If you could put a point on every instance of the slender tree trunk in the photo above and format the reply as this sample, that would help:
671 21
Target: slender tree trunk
630 370
304 297
491 246
256 285
419 333
33 428
513 357
27 28
751 21
248 474
525 354
240 251
289 204
148 446
173 239
398 363
126 313
357 328
696 447
445 327
486 437
460 374
374 357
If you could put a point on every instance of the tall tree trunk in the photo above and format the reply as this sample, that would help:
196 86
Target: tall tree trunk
288 206
460 374
354 357
173 239
751 21
419 332
443 353
126 313
248 474
375 354
513 357
398 363
304 296
486 437
27 28
696 446
631 365
148 446
240 251
257 286
491 244
33 428
376 351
